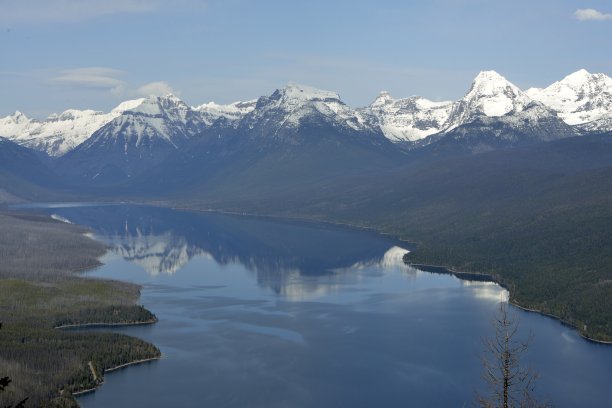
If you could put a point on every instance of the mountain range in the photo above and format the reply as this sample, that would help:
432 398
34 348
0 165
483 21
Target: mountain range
508 182
580 99
299 133
139 136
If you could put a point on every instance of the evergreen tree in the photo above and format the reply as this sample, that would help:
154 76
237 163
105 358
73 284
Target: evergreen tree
4 382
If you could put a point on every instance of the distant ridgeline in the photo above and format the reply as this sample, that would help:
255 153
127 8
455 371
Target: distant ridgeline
511 183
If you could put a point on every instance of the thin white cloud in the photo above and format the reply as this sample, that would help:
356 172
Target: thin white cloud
107 80
591 14
61 11
158 88
92 78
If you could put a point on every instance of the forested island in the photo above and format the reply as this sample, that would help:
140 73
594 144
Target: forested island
40 290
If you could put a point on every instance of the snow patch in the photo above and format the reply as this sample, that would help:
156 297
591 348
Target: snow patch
579 98
60 218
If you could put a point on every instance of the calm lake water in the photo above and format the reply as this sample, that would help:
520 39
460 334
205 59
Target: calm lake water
263 313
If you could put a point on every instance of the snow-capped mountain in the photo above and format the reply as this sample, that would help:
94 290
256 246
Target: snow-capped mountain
155 118
61 133
580 98
295 105
211 111
496 114
496 107
535 123
490 95
408 119
138 138
145 129
293 136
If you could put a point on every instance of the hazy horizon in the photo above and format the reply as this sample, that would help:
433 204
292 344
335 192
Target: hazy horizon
81 54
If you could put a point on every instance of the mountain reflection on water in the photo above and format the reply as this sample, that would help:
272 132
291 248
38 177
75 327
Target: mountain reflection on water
282 255
305 315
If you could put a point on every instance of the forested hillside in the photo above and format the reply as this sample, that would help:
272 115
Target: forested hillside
39 291
538 218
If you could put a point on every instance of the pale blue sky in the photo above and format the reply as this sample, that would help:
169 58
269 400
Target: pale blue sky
60 54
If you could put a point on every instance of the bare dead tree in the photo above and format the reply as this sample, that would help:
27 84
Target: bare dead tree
510 384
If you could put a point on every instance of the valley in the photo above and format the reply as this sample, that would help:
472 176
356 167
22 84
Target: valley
519 187
509 183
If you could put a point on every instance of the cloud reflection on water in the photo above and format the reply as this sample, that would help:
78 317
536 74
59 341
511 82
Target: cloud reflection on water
487 290
296 261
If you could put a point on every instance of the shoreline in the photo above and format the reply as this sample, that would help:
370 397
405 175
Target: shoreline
131 363
477 276
83 392
441 268
171 206
95 325
587 338
109 370
48 316
445 270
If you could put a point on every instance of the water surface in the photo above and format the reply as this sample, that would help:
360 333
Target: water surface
263 313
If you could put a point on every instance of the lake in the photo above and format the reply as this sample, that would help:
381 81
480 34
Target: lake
267 313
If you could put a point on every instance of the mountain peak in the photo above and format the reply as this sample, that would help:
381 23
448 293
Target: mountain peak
281 113
491 83
408 119
128 105
19 117
154 105
580 76
167 98
493 95
171 100
489 75
383 98
490 95
170 97
581 81
212 111
307 93
579 98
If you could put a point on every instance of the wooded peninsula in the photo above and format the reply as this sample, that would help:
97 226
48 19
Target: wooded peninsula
40 289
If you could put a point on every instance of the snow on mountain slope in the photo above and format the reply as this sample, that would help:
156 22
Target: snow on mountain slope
288 107
408 119
156 254
234 111
61 133
535 123
490 95
580 98
166 118
415 118
141 137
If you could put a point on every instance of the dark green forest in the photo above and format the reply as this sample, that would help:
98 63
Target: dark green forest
39 291
538 218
